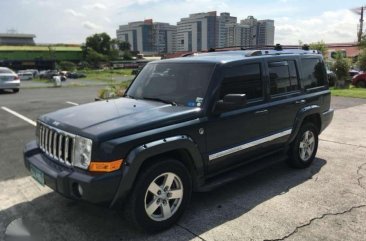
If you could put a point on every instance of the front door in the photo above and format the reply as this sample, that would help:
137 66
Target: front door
235 136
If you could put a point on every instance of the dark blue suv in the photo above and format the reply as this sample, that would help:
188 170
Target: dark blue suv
185 124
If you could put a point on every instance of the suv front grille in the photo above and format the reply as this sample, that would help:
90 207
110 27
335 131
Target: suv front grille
56 144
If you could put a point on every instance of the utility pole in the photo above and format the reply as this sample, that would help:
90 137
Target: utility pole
361 26
360 12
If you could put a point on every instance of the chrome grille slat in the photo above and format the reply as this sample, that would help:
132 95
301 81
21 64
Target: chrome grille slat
66 149
46 144
56 144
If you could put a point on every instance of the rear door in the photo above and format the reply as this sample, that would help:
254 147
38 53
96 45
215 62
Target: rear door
285 97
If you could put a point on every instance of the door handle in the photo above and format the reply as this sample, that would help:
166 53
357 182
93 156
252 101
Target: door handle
300 102
261 112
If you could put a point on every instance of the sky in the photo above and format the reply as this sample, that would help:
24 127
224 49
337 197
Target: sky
71 21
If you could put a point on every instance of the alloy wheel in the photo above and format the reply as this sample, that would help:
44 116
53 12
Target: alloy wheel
163 196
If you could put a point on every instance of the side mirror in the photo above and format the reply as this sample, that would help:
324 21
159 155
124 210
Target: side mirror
230 102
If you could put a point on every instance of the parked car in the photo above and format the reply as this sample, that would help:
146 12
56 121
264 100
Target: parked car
23 75
48 74
75 75
332 78
34 72
353 72
9 80
359 80
185 124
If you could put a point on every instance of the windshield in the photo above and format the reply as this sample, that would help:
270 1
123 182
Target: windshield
179 83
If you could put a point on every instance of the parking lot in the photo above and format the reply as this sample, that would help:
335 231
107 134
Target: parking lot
324 202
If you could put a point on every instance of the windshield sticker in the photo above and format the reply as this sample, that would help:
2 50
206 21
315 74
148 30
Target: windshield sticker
199 100
191 103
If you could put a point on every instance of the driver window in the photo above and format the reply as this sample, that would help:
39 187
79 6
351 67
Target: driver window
243 79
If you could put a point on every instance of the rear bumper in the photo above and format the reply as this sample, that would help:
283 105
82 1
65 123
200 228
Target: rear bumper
326 118
10 85
97 188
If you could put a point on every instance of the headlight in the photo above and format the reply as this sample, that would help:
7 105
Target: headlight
82 152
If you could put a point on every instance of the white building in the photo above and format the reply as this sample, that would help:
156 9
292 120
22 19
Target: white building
265 32
149 37
225 35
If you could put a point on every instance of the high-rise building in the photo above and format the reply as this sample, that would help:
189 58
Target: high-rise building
265 32
224 24
149 37
197 32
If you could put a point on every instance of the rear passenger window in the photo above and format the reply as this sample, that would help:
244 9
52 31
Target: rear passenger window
283 77
243 79
313 71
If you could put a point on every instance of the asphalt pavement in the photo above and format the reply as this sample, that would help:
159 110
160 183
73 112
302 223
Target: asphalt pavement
324 202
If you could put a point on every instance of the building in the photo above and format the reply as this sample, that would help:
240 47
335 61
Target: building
198 32
148 37
225 24
16 39
203 31
265 32
39 56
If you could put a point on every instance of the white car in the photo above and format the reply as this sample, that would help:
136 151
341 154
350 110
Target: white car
25 75
9 80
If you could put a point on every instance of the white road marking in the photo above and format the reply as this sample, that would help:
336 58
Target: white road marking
71 103
19 116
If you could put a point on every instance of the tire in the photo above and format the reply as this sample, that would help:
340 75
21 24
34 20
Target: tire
361 84
304 147
15 90
145 210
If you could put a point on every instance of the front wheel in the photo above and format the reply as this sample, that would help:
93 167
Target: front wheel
304 147
160 196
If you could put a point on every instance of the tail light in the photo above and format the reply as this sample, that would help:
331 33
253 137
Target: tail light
16 77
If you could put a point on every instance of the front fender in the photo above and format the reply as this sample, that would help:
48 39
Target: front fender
138 155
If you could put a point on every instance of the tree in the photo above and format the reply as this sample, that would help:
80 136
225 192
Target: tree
362 60
67 65
341 68
99 42
321 47
124 46
95 58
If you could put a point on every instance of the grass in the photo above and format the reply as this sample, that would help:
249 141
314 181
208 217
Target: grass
106 75
352 92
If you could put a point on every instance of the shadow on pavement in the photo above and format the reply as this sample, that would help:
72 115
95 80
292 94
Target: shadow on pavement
51 217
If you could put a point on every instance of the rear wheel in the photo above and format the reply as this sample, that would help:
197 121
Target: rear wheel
15 90
160 196
361 84
304 147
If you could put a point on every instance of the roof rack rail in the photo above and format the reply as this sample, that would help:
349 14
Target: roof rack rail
259 50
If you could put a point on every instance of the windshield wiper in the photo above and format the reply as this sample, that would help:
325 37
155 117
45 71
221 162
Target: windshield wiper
160 100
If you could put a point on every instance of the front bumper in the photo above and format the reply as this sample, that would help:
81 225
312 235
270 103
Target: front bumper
97 188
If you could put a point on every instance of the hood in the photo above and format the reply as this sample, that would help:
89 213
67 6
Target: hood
118 117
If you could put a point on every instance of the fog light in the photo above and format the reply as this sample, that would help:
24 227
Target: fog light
80 190
77 190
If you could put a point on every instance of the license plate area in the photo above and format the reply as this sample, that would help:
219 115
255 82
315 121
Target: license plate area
37 174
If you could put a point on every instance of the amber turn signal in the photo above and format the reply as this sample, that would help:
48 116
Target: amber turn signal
105 166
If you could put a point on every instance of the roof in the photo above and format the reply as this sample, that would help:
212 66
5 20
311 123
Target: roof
16 35
231 56
40 48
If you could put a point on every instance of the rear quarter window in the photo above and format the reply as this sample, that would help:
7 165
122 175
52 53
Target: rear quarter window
314 73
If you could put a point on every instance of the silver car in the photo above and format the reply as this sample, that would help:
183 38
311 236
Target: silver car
9 80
